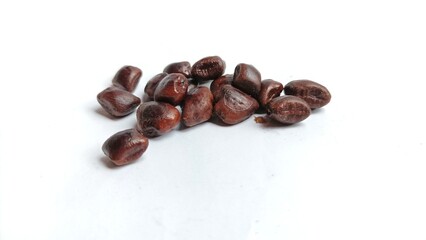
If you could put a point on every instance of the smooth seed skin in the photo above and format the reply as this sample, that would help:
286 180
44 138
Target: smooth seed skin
248 79
269 89
197 107
208 68
179 67
152 84
172 89
234 106
127 78
125 147
218 83
156 118
288 109
315 94
118 102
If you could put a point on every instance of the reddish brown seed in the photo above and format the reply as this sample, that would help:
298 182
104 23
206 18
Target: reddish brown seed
315 94
152 84
197 107
156 118
247 78
270 89
118 102
218 83
208 68
288 109
171 89
125 147
234 106
127 78
179 67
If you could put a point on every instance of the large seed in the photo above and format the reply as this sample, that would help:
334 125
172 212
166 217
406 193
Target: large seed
315 94
197 106
234 106
247 78
171 89
152 84
179 67
208 68
125 146
156 118
127 78
118 102
270 89
288 109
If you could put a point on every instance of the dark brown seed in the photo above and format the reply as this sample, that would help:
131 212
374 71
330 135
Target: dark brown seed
247 78
218 83
152 84
127 78
156 118
179 67
197 107
208 68
171 89
118 102
288 109
270 89
315 94
125 147
192 84
234 106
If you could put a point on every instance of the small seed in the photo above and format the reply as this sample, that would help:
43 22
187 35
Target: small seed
179 67
125 147
234 106
208 68
270 89
315 94
117 101
156 118
247 78
218 83
127 78
197 106
152 84
171 89
288 109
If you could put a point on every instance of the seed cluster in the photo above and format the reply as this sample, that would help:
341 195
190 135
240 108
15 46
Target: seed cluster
232 98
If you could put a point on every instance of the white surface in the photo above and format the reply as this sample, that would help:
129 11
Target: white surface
354 170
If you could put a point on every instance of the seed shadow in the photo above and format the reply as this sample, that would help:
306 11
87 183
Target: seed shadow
106 162
102 112
270 123
317 110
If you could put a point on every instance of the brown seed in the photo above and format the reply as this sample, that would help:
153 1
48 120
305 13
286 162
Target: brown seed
125 147
218 83
179 67
234 106
315 94
197 106
152 84
247 78
208 68
270 89
288 109
127 78
118 102
156 118
171 89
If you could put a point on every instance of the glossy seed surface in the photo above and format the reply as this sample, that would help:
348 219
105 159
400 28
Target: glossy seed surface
156 118
315 94
197 107
208 68
127 78
171 89
269 89
288 109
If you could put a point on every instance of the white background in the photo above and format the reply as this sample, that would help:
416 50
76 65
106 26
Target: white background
353 170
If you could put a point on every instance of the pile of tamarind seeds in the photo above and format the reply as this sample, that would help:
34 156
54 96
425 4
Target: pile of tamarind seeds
231 99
